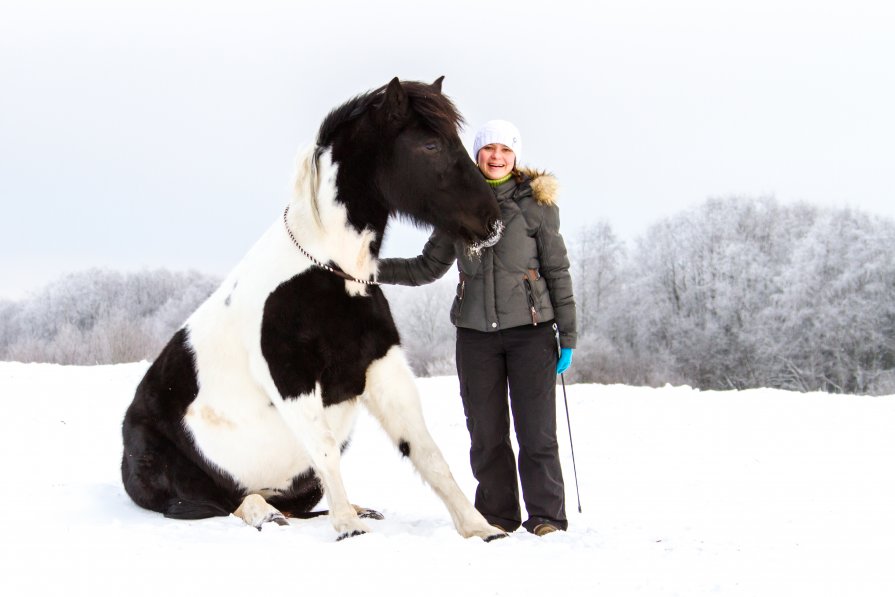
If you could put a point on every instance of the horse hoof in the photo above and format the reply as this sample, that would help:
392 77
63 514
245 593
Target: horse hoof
350 534
273 517
276 517
368 513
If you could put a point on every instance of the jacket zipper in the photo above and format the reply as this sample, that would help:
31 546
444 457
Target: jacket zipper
462 289
531 301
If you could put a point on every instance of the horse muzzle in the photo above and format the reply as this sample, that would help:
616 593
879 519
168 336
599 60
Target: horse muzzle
477 247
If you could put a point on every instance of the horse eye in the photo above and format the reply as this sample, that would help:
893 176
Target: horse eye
432 147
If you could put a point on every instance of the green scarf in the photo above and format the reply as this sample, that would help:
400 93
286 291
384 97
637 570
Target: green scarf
499 181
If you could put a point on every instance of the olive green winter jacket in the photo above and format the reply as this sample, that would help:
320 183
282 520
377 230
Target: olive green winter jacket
522 280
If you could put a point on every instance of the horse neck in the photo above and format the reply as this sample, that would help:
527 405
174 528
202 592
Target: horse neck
320 223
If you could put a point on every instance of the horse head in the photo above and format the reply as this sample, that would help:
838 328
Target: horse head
397 152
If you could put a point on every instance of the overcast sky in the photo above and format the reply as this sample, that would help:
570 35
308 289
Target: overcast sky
162 134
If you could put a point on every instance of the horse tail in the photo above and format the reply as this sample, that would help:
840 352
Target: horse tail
182 509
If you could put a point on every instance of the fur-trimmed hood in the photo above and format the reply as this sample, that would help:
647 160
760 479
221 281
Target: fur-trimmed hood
544 185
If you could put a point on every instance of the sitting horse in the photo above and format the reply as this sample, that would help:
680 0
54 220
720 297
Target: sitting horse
249 406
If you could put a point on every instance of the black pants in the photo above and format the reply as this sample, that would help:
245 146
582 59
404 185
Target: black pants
522 359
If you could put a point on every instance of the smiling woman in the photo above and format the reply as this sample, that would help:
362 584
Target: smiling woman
512 297
497 149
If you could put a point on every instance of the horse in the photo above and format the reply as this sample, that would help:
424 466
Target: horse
249 406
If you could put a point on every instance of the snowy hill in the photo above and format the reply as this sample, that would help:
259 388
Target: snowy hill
684 493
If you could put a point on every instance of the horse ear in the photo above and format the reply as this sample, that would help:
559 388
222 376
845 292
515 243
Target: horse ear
437 84
396 102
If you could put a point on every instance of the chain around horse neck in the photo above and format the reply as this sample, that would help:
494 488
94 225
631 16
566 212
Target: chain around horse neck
333 270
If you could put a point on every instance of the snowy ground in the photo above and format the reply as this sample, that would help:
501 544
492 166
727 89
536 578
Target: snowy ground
684 493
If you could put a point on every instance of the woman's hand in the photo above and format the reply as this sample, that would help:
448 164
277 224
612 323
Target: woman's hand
565 360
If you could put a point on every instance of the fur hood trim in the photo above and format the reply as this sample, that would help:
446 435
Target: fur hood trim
544 185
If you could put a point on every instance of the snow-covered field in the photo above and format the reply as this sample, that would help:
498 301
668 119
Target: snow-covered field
684 493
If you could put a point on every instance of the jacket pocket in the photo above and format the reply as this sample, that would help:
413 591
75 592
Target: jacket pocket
457 307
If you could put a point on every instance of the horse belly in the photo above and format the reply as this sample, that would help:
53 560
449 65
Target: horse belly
255 444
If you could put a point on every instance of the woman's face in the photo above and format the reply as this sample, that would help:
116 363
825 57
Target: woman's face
496 160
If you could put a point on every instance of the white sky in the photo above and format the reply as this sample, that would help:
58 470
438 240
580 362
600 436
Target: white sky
161 134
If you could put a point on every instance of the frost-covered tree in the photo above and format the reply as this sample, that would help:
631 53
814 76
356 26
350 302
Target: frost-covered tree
8 322
422 315
835 315
596 256
739 293
700 281
101 316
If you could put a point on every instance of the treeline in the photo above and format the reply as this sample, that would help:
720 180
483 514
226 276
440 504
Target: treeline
735 293
741 293
100 317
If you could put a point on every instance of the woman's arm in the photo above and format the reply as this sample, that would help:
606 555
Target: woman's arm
554 260
437 257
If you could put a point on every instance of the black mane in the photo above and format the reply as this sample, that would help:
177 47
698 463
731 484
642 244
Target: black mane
436 110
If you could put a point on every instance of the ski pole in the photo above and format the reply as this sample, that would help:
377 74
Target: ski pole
568 419
571 445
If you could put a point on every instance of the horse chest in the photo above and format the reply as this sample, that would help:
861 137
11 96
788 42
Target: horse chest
313 332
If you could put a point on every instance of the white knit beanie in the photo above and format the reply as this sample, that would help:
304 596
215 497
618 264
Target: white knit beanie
498 131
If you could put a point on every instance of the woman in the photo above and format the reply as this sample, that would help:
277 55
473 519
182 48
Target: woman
511 300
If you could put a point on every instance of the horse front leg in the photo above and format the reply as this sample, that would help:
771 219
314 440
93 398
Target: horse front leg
392 398
313 424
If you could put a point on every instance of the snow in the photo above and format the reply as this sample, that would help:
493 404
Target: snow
759 492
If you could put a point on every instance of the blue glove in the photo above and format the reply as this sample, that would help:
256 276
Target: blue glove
565 360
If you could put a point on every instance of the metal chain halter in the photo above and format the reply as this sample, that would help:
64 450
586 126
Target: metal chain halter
334 270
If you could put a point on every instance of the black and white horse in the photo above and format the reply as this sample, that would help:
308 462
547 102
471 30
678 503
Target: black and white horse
249 406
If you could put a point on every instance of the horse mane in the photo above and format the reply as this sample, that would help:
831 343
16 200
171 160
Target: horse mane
436 110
